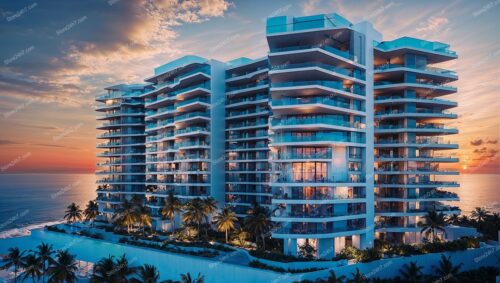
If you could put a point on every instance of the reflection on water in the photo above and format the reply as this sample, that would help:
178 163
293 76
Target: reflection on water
28 199
478 190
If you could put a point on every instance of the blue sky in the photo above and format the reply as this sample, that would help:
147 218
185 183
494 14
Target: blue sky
57 55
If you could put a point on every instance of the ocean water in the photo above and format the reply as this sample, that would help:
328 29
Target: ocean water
32 200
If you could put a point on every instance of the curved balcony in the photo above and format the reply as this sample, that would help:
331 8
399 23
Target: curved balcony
328 86
300 105
418 113
396 99
318 233
340 56
426 87
317 138
294 71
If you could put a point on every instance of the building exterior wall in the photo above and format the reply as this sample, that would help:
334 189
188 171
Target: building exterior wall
335 131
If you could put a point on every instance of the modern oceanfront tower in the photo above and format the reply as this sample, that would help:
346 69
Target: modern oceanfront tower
122 169
319 132
185 127
409 135
337 132
247 139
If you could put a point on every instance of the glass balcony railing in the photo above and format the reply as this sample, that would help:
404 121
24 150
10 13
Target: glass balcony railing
342 53
423 68
191 130
347 72
190 101
252 85
419 82
330 84
191 115
316 100
317 137
292 121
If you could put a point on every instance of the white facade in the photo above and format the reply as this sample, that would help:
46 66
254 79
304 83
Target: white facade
335 132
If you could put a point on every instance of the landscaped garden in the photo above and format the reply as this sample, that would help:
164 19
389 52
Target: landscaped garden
209 232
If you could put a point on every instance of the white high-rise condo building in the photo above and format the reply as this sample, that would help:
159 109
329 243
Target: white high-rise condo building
337 132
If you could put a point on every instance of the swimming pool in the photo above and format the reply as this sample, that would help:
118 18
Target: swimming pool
169 265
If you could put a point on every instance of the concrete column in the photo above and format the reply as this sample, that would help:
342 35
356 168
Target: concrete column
290 246
366 240
326 248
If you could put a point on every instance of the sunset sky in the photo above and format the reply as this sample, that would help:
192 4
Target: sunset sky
57 55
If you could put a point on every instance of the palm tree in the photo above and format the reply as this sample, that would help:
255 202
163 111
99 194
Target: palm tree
257 222
32 267
358 277
194 212
209 208
14 258
453 219
73 213
44 253
225 220
242 236
334 279
171 207
143 217
123 269
125 215
186 278
412 273
64 268
447 269
147 274
433 222
480 214
91 212
104 270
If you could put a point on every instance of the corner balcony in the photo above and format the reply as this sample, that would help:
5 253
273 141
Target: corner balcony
323 122
328 87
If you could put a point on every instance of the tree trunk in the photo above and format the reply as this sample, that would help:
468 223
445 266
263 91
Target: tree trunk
226 236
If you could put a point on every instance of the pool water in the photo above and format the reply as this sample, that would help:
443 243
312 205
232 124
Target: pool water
170 265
